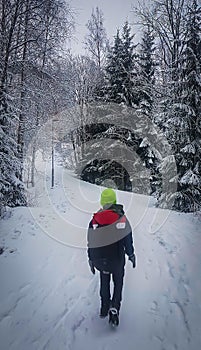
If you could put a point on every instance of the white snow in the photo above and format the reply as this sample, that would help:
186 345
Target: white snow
190 178
49 298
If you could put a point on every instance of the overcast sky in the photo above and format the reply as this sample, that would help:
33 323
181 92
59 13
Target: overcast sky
115 13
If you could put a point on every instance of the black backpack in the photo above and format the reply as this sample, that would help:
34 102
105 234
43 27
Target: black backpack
110 258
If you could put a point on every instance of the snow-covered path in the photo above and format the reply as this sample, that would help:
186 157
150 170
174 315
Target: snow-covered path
50 300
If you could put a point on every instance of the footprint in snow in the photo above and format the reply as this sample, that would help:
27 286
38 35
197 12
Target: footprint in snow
162 243
154 306
16 234
41 215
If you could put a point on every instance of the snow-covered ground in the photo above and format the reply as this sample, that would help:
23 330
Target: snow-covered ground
49 298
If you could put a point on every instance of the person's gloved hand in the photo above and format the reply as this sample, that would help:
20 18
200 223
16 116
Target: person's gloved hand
132 258
91 265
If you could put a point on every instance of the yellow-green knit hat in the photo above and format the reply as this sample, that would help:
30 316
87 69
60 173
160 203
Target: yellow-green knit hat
108 196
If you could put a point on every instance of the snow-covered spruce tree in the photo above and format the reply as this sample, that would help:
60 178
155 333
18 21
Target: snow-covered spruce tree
182 123
188 196
168 19
120 74
128 72
147 96
113 82
147 67
11 188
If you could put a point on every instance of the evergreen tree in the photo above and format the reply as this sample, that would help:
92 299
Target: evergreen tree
128 74
120 69
189 157
11 188
146 91
183 125
147 67
114 87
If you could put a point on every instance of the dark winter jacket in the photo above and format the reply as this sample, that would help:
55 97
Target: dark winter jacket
109 237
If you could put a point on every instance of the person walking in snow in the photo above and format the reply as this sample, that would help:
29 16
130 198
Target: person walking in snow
109 239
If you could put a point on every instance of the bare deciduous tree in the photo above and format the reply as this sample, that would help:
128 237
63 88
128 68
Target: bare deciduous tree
96 41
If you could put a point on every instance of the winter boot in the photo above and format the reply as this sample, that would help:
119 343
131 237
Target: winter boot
113 316
115 304
104 310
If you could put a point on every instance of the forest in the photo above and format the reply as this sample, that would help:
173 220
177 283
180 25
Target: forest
147 94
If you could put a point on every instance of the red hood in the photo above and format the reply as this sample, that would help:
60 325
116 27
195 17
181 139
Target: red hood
105 217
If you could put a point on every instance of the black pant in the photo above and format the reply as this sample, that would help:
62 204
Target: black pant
117 277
